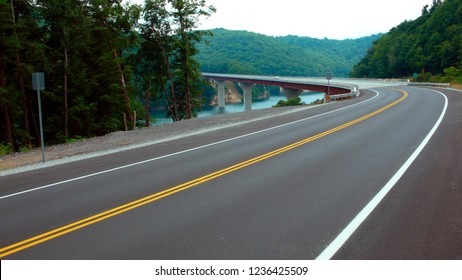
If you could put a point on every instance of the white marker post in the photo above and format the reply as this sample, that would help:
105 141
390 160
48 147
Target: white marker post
38 83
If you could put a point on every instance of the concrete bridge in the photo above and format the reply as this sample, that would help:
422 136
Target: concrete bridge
290 87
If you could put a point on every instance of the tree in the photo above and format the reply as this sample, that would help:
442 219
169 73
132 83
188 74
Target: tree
89 51
116 26
68 36
243 52
21 51
185 17
6 45
169 45
155 53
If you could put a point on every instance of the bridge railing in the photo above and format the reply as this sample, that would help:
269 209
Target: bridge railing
354 93
438 85
350 89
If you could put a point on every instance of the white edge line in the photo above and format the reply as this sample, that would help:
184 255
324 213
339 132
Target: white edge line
346 233
180 152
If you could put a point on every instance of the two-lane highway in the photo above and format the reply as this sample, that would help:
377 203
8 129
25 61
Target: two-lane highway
281 188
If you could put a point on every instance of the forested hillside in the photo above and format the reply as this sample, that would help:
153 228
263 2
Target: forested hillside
430 45
242 52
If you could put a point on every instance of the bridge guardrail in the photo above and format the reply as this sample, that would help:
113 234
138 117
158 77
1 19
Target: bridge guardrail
353 93
321 82
439 85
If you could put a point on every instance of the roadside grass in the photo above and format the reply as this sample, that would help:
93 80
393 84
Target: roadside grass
5 149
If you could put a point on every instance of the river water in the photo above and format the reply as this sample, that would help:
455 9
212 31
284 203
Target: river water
206 111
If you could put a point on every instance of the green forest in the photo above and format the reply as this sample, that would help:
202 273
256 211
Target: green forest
430 47
104 61
243 52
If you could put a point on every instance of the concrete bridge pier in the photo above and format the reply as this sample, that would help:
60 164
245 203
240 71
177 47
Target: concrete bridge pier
291 92
221 94
247 88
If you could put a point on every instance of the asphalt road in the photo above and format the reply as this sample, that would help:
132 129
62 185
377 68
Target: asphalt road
281 188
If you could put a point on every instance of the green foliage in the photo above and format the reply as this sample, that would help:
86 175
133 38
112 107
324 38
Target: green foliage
25 149
99 62
423 77
81 46
450 75
295 101
429 44
242 52
21 50
168 66
5 149
76 138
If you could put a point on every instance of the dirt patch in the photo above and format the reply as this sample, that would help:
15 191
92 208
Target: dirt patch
456 86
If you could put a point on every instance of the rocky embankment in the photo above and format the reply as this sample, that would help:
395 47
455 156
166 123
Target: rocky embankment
233 96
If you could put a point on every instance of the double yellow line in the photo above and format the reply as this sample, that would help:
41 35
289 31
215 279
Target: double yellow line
6 251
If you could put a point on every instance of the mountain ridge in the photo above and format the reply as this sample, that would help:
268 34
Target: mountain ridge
245 52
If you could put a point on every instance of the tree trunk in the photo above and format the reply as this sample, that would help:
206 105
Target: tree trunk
22 87
66 105
123 83
186 63
21 80
125 121
121 76
9 130
169 107
147 103
13 16
173 105
188 85
147 108
6 112
35 124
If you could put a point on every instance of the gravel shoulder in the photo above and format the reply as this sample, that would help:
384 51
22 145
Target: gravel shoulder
125 140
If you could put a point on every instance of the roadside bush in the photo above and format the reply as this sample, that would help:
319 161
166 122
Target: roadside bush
296 101
451 75
5 149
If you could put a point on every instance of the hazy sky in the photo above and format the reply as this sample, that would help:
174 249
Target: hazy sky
334 19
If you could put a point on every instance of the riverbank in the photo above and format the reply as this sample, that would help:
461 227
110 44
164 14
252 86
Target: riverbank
121 140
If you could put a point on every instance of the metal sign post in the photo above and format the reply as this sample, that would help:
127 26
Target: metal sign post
38 83
328 77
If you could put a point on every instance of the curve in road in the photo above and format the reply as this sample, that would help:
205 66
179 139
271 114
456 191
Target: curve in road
287 206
